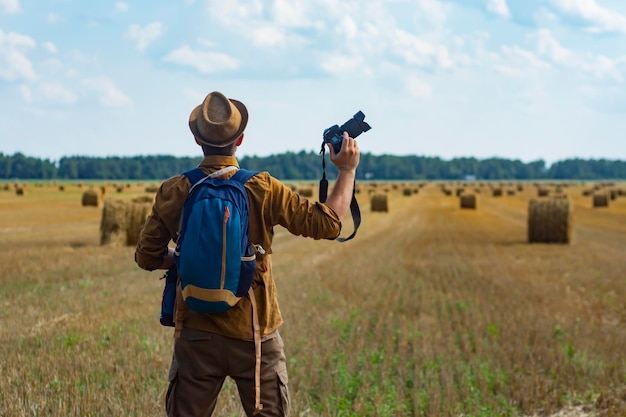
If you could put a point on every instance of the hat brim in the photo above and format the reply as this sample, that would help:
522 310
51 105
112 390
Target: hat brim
193 117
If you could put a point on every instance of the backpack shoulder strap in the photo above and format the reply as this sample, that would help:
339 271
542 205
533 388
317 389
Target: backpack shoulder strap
194 175
243 175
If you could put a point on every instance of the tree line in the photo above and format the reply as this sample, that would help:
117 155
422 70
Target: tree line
308 166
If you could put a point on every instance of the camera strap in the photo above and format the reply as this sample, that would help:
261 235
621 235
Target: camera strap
354 205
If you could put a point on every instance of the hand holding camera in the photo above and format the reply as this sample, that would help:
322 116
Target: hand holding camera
354 127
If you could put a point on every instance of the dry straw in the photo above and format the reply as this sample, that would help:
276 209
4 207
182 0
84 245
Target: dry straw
113 223
543 192
550 220
600 200
379 203
137 212
468 201
122 221
91 197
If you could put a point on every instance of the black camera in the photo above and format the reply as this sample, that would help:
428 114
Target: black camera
354 127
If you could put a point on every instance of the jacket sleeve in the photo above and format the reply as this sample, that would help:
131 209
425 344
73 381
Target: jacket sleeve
300 215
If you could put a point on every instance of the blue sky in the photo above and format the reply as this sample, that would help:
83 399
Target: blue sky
519 79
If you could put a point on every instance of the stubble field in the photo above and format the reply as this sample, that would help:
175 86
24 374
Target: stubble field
431 310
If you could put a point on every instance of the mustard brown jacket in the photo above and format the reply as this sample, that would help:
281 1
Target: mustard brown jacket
271 204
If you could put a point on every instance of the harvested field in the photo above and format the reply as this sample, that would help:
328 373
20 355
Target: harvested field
429 311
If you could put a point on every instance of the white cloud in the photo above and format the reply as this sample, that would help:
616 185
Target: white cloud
58 93
598 66
436 11
26 93
14 65
548 46
194 96
520 63
50 67
144 36
50 47
602 19
53 18
341 65
204 62
121 7
499 7
233 13
291 13
418 88
10 6
418 52
348 27
109 94
268 36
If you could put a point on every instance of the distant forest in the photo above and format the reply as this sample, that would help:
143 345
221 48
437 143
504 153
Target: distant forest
308 166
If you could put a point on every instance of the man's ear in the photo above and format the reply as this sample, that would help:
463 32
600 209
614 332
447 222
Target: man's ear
239 140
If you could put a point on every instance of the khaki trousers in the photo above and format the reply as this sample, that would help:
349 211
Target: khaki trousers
201 363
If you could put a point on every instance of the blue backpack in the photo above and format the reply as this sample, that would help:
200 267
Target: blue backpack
214 257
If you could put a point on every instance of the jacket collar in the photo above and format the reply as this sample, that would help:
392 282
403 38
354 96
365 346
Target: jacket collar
218 161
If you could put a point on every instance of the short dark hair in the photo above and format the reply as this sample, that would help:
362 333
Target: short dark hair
214 150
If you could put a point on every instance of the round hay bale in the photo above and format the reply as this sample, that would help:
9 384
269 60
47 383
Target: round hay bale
378 202
61 187
468 201
113 223
91 197
306 192
152 188
543 192
600 200
136 214
19 190
550 220
407 192
496 192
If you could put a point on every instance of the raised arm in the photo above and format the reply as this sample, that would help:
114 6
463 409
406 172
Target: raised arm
347 160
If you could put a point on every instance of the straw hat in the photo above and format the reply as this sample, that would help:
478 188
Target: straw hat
218 121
